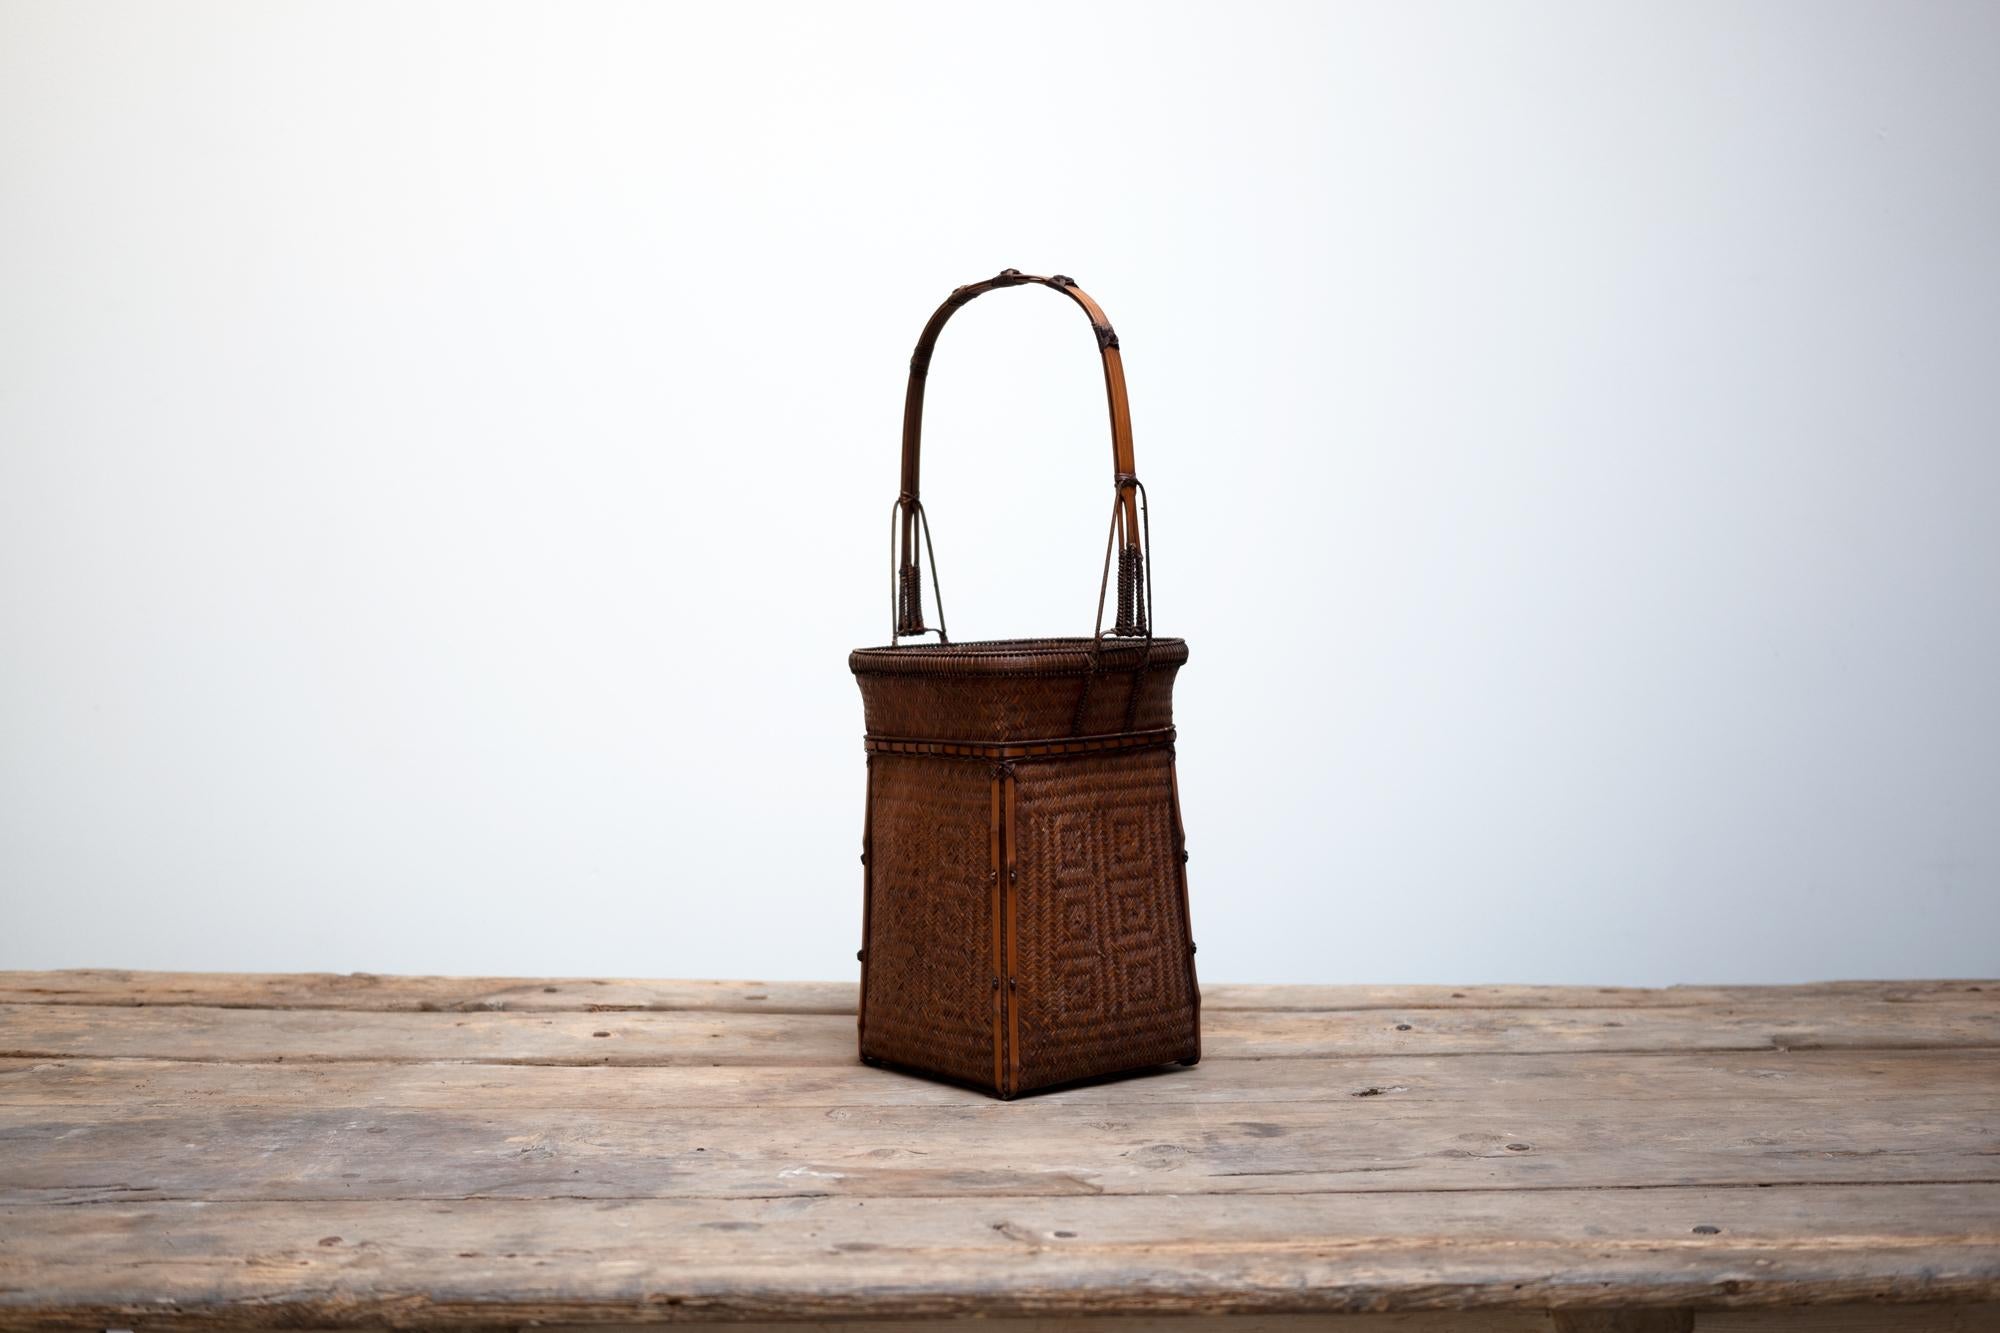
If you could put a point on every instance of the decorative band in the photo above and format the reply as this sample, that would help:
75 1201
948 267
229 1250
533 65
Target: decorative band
1049 749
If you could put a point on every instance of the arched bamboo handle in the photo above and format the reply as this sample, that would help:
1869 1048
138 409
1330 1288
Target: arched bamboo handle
909 599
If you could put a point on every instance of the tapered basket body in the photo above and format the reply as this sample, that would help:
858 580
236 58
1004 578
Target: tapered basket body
1025 907
1026 918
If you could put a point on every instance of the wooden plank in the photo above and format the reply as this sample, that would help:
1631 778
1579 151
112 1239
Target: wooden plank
343 1265
1633 1164
366 991
1436 1321
1789 1319
681 1037
1699 1080
1622 1321
1228 995
1981 1318
1531 1140
1927 1318
1417 1321
369 991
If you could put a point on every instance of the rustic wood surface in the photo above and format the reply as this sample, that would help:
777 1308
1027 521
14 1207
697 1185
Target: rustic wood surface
322 1152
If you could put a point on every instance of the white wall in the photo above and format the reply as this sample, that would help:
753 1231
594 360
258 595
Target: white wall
446 452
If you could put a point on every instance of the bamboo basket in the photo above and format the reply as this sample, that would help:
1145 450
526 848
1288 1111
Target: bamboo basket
1025 909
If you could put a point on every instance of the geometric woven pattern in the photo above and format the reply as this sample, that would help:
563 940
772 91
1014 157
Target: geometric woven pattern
1102 975
929 1000
1075 964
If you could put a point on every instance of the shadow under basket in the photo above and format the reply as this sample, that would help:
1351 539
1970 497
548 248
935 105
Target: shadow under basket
1026 913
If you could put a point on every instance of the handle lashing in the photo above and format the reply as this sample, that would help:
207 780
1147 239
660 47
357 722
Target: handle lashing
906 584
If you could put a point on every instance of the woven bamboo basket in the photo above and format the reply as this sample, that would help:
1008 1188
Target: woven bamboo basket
1025 910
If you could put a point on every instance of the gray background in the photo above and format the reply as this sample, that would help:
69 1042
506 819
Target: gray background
446 452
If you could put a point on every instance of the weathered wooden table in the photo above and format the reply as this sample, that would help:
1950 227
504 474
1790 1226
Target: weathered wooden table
316 1152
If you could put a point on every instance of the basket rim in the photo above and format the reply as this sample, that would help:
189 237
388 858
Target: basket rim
1006 656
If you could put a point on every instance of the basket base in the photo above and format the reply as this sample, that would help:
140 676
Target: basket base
1026 916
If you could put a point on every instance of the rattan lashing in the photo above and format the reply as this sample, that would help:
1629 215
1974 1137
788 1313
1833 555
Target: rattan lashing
1025 912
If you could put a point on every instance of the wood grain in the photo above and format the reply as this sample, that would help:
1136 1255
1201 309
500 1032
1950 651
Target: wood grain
345 1264
1927 1318
1699 1082
336 1153
226 1152
364 991
726 1037
1784 1319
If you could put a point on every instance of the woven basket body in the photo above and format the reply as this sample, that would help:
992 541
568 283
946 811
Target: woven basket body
1025 917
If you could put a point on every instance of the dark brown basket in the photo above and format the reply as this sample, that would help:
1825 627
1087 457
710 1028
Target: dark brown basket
1025 913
